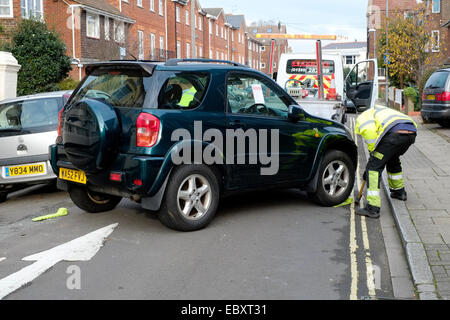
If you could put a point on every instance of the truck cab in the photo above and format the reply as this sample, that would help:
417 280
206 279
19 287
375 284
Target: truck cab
298 75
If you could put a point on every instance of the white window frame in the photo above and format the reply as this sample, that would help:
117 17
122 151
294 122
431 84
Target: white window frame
200 23
96 34
161 7
436 47
152 5
432 6
10 5
33 13
263 65
139 3
188 50
217 30
177 14
200 52
187 16
141 45
107 26
119 26
161 47
152 46
178 49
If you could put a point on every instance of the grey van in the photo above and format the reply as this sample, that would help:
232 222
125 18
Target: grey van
28 126
436 98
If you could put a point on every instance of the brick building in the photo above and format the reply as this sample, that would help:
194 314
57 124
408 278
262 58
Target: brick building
438 15
281 45
95 30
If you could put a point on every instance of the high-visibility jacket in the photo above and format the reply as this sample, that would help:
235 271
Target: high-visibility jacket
188 96
373 124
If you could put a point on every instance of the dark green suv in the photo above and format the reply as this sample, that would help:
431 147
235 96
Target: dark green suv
177 136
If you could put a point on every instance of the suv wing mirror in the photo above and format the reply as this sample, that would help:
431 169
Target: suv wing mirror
296 113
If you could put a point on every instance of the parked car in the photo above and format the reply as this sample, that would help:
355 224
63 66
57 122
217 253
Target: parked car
436 98
122 145
27 129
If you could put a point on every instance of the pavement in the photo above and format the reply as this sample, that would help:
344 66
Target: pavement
424 220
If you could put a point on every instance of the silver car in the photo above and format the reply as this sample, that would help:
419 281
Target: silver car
28 126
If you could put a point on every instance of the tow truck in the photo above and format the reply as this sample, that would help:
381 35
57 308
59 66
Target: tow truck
317 82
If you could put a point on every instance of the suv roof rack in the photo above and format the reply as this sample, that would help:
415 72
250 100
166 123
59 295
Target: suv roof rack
175 62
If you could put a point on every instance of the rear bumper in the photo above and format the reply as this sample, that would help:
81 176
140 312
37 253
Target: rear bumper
140 175
436 112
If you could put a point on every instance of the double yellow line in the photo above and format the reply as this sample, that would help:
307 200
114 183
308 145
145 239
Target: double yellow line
354 243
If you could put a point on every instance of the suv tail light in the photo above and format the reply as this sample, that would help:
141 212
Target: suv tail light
444 96
147 126
59 122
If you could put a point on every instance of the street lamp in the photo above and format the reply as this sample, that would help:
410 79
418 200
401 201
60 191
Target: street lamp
374 42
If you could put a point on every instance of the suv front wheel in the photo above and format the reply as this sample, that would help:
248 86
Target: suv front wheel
93 202
336 179
191 199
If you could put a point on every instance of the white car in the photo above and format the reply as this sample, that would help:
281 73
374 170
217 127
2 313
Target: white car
28 126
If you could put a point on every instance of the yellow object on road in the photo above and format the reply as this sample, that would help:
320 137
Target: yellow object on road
61 213
347 202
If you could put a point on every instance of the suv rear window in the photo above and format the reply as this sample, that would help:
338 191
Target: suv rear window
29 116
437 80
118 88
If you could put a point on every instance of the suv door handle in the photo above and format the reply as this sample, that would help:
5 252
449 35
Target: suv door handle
236 124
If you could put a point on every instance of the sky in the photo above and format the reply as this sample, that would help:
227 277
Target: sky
345 18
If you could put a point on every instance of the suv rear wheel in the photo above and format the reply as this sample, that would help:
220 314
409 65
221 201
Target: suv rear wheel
336 179
191 198
93 202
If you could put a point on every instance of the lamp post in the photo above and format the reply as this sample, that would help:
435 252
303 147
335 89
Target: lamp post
387 56
374 43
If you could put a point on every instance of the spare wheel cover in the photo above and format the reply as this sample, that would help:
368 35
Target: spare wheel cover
91 135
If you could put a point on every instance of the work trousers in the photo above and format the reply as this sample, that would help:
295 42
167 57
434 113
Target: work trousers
387 155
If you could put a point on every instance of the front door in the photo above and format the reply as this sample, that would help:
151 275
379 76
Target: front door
258 115
361 84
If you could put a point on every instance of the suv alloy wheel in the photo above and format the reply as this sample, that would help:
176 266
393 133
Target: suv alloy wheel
191 199
336 179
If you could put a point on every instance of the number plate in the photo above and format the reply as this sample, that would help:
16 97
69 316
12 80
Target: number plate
431 97
35 169
72 175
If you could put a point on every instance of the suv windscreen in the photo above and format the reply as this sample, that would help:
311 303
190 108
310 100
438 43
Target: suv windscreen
29 116
437 80
116 87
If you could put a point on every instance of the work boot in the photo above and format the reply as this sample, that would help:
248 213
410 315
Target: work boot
369 211
399 194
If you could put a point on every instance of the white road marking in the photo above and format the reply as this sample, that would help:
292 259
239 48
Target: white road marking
353 248
2 259
368 260
80 249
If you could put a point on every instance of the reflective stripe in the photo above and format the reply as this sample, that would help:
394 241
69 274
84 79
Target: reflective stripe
385 122
397 177
373 193
366 124
369 141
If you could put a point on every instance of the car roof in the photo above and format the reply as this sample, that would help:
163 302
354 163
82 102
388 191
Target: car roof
43 95
176 65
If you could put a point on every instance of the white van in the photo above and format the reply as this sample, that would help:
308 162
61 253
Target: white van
297 74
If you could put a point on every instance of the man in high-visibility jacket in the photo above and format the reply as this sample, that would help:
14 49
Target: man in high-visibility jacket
388 135
187 97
